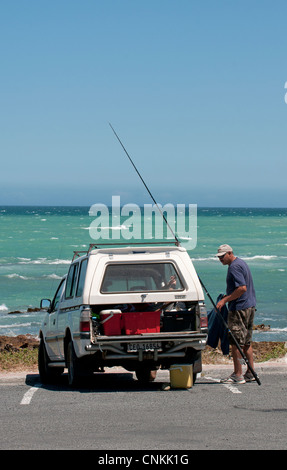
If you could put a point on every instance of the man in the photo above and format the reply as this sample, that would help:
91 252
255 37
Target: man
241 299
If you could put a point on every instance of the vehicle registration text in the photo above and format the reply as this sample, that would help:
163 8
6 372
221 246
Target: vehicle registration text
132 347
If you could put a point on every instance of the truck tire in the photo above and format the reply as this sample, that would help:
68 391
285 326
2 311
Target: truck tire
73 365
145 374
47 374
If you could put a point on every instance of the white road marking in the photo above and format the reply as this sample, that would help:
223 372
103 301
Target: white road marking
28 395
230 387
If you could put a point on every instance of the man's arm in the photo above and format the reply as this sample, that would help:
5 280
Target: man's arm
238 292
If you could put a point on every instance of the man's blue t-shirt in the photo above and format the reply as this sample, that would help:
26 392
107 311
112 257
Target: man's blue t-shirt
239 274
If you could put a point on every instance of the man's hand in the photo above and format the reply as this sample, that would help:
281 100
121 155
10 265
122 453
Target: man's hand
228 298
221 304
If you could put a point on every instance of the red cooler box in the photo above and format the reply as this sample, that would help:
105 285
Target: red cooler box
135 323
111 322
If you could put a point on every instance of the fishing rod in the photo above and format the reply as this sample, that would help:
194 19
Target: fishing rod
231 334
178 244
162 214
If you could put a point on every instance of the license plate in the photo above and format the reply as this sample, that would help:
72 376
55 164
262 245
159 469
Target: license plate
133 347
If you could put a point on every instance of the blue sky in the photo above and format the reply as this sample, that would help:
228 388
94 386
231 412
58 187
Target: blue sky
195 89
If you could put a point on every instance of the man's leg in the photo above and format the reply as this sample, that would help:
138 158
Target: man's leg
236 327
236 356
248 351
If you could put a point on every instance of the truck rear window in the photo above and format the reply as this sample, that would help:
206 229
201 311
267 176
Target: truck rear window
140 278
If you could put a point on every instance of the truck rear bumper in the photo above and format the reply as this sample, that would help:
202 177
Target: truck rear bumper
151 346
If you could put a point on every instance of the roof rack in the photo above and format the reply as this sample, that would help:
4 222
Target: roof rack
97 245
76 253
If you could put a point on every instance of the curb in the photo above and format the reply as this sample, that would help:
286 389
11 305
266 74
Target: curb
280 364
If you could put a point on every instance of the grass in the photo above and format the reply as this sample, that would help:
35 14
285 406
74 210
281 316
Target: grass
279 350
262 351
23 359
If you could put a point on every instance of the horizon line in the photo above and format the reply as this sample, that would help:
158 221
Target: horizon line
142 205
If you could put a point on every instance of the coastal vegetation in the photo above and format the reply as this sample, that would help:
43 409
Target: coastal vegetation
21 353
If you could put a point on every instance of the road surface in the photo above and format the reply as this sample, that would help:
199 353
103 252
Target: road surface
112 411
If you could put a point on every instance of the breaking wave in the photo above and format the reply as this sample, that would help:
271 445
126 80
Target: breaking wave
52 276
17 276
43 261
265 257
245 258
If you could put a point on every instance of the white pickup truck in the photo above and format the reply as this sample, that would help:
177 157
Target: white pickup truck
139 307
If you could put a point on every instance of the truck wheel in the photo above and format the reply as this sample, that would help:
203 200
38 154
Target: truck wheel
47 374
73 365
145 374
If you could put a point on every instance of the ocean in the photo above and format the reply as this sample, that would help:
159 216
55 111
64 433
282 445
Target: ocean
37 245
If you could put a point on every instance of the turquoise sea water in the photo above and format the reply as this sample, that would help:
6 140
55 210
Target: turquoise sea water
37 244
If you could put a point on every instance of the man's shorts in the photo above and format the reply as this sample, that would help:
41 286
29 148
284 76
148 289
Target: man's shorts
240 323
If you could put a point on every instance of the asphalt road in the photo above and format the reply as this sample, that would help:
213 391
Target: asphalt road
112 411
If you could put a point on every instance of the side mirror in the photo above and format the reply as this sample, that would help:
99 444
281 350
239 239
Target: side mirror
45 304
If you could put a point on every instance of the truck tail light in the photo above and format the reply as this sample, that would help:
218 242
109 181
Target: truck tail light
85 321
203 316
84 326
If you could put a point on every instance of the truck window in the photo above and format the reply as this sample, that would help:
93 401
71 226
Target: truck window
140 278
58 296
82 276
71 281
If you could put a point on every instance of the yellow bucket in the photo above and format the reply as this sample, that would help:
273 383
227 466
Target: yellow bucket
181 375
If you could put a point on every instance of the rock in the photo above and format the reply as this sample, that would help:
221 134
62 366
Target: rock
29 310
165 387
261 327
15 343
